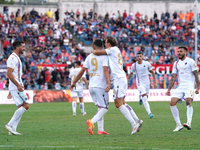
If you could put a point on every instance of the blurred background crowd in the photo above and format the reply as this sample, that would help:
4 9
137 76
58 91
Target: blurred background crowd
50 42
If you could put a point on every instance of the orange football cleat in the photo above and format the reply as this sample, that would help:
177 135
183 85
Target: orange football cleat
102 132
90 126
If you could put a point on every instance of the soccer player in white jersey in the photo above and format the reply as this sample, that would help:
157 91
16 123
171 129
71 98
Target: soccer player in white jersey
78 93
99 86
186 70
118 77
142 69
16 88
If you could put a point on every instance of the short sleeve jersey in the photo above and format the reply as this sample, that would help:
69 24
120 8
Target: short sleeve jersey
115 62
142 72
79 84
184 70
15 63
95 65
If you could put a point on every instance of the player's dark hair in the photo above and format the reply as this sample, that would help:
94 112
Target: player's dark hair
139 53
17 43
112 40
78 63
183 47
98 43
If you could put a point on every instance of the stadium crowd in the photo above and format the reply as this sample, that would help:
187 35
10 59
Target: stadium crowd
49 42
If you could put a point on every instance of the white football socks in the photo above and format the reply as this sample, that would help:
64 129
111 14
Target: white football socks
189 114
74 107
100 124
18 113
16 123
100 113
175 114
146 104
132 113
82 108
127 114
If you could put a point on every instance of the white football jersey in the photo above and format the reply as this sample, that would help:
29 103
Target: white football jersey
142 72
115 63
79 84
184 70
15 63
95 65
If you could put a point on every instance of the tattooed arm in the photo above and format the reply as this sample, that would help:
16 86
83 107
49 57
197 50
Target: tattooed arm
197 81
171 83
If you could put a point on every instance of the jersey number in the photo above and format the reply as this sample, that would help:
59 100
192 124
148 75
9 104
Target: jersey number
120 60
79 81
94 63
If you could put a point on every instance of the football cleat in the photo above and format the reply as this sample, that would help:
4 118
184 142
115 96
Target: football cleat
178 128
187 125
151 115
102 132
74 114
83 114
135 128
140 125
90 126
10 129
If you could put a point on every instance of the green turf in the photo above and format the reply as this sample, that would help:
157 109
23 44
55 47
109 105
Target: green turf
52 124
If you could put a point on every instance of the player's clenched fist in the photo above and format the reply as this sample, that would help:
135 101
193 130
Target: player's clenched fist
168 93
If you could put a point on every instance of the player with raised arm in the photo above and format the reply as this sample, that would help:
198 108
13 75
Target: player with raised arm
142 69
16 88
78 93
99 86
118 77
186 70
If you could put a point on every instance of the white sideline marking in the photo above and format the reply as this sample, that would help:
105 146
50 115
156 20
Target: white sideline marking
72 146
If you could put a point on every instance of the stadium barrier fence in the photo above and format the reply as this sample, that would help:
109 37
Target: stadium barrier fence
41 96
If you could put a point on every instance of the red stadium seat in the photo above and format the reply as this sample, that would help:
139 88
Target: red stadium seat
126 58
131 54
137 49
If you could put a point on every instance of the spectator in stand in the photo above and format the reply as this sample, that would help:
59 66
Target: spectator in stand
6 43
72 14
57 15
119 14
181 16
78 13
167 14
175 15
124 15
155 15
49 13
5 9
191 15
162 16
17 13
18 19
90 14
137 15
187 16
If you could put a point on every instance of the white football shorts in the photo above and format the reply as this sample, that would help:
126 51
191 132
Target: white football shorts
120 88
184 92
143 89
99 97
19 97
77 94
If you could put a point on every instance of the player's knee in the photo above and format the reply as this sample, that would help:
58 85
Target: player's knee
171 103
188 103
26 106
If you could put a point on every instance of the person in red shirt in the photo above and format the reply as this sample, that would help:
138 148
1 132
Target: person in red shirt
137 15
47 76
124 14
6 43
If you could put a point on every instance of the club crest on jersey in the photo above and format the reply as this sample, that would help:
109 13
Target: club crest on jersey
144 65
186 63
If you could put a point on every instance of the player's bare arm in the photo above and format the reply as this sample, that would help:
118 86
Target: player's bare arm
129 76
80 74
197 81
107 76
86 83
12 78
171 83
101 52
154 78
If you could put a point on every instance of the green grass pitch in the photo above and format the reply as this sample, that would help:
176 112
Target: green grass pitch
52 126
